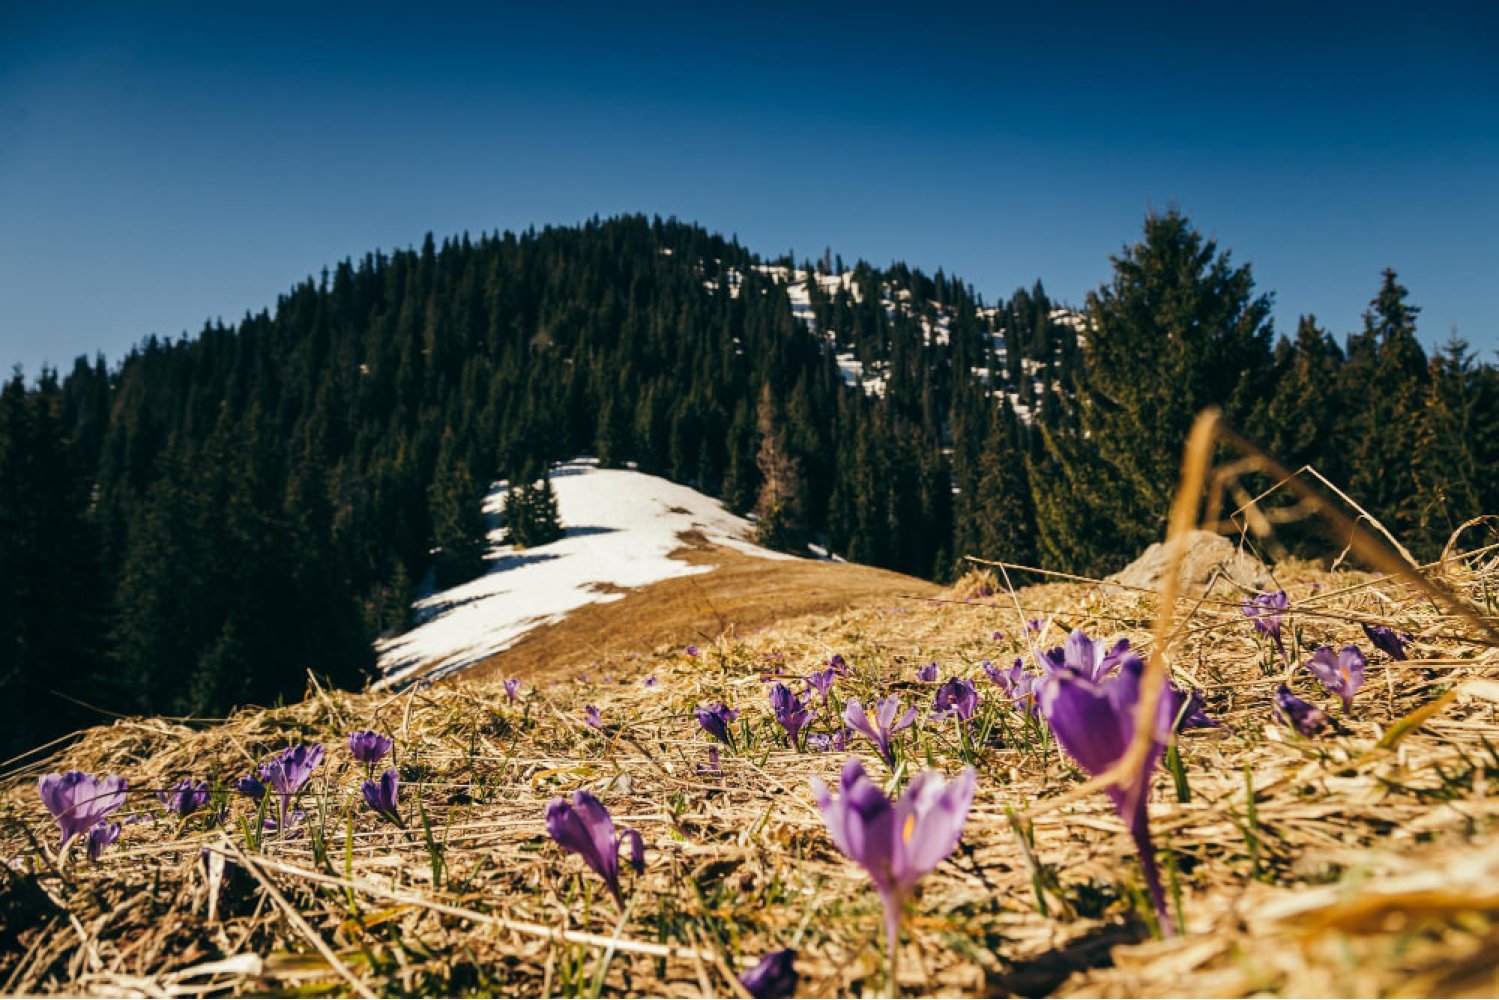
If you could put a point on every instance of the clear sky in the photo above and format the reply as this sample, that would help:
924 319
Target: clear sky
161 165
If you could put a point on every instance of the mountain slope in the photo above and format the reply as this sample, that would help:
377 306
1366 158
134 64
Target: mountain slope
644 557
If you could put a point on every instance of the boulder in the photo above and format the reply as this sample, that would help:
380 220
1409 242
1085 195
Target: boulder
1211 561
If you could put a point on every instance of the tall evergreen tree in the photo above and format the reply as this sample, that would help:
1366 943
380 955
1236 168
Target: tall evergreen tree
1179 328
1384 389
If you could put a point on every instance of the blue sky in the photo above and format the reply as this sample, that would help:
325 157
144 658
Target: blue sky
165 165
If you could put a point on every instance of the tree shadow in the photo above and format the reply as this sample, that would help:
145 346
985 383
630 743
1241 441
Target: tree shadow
584 532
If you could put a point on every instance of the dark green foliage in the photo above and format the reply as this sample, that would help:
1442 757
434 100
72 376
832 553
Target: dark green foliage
1456 456
531 514
1384 390
459 532
51 594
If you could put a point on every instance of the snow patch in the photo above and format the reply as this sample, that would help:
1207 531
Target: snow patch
622 527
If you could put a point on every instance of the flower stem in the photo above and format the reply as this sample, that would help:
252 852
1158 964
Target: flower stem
893 909
1139 829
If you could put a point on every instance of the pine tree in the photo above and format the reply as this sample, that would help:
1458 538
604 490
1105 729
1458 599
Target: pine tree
1457 451
1004 508
459 529
1178 329
530 513
1384 389
1297 421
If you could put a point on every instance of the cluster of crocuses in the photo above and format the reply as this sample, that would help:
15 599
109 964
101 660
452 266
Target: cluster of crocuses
794 713
80 802
1341 671
1085 691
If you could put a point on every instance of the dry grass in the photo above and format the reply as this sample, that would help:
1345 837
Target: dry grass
1365 862
742 593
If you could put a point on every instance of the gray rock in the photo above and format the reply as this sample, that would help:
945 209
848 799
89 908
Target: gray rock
1211 561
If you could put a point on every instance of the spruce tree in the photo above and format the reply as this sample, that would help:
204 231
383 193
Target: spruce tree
1384 390
459 530
530 513
1457 447
1179 328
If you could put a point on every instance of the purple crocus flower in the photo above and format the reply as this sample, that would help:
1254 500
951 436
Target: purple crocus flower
591 718
250 788
714 765
1095 723
512 688
1306 718
650 681
885 726
998 636
1034 625
1086 657
1264 610
1186 710
289 770
837 664
716 720
956 697
693 651
1387 640
369 747
790 712
898 843
100 836
773 977
1342 673
821 681
79 801
1018 684
637 850
828 742
928 673
585 828
186 797
383 796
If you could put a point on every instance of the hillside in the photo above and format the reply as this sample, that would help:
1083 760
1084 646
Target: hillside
1362 860
644 560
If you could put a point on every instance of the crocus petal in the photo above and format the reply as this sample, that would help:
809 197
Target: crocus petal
100 837
774 976
636 843
1342 673
929 819
1306 718
1387 640
857 719
368 747
1085 721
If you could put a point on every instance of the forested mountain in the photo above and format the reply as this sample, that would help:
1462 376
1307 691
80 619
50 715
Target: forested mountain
201 524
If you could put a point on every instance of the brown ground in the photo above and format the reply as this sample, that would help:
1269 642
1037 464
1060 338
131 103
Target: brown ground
741 594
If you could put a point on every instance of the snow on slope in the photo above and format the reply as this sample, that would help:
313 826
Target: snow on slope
621 526
935 321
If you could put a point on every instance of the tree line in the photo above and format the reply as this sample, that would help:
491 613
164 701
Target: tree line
201 524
